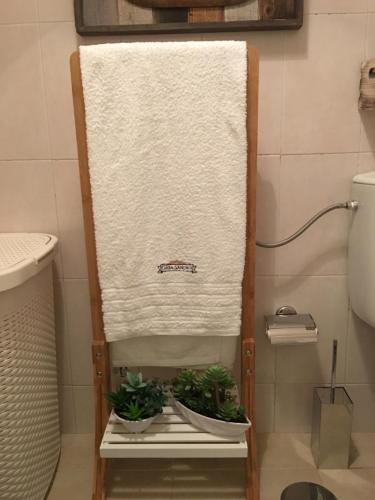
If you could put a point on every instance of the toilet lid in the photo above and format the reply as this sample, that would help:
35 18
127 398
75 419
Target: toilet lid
307 491
366 178
22 255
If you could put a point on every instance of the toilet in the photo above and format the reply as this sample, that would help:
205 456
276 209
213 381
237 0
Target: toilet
361 258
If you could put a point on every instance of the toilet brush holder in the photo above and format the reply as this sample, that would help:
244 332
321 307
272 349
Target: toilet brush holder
331 428
332 423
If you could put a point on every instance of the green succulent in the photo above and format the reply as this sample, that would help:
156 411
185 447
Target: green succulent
215 382
135 382
208 393
138 399
132 411
231 412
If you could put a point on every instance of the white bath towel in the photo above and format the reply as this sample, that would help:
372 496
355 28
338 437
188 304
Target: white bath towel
166 130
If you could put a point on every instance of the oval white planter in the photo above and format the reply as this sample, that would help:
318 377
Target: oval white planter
136 426
213 425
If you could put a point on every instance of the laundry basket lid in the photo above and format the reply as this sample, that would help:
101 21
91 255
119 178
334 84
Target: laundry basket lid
22 255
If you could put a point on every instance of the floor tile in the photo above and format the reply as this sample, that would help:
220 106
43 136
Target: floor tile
350 484
218 485
283 459
363 450
140 485
273 482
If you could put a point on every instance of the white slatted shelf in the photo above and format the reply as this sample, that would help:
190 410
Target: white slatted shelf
169 436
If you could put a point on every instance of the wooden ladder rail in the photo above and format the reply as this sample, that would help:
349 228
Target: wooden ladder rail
248 283
99 346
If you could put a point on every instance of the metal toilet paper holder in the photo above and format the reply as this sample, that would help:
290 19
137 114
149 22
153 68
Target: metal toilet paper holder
287 316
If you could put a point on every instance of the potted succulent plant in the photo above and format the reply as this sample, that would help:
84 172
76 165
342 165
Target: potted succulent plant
206 399
137 402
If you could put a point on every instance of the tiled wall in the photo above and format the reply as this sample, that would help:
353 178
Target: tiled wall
312 141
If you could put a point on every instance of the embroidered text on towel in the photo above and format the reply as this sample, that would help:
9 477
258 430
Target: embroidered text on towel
177 265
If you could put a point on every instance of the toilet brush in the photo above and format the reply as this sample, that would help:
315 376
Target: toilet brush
333 371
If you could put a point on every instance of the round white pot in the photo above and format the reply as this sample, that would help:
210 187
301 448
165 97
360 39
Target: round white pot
135 426
213 425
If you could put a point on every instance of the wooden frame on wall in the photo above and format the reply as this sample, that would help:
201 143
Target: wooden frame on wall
272 15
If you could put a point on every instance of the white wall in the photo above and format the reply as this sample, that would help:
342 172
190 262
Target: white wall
312 141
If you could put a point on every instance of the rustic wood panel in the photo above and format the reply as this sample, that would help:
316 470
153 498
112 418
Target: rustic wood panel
185 3
277 9
207 14
177 15
129 13
100 12
243 11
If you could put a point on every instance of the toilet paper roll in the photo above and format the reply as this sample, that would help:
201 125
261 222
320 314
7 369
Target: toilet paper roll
292 336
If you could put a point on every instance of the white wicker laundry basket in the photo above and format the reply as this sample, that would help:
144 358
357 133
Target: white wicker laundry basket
29 423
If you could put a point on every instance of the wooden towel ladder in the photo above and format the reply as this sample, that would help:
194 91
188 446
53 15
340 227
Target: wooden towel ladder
99 347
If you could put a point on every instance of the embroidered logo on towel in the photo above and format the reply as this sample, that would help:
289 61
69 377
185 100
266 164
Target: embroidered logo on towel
177 265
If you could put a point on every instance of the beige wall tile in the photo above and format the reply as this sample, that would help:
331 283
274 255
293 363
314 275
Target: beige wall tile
271 87
77 302
27 201
265 303
360 367
18 11
366 162
55 10
66 407
371 5
285 451
326 299
321 88
308 184
62 340
265 407
370 41
368 117
84 409
363 397
69 215
24 132
58 41
334 6
293 407
268 211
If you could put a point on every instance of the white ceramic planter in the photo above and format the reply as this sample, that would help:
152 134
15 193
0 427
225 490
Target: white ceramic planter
135 426
213 425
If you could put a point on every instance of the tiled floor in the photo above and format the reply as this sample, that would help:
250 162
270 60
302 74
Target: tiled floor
283 459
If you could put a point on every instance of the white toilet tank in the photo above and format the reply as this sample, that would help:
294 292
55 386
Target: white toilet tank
362 249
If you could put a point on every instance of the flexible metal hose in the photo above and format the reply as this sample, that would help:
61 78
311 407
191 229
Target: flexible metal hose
348 205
